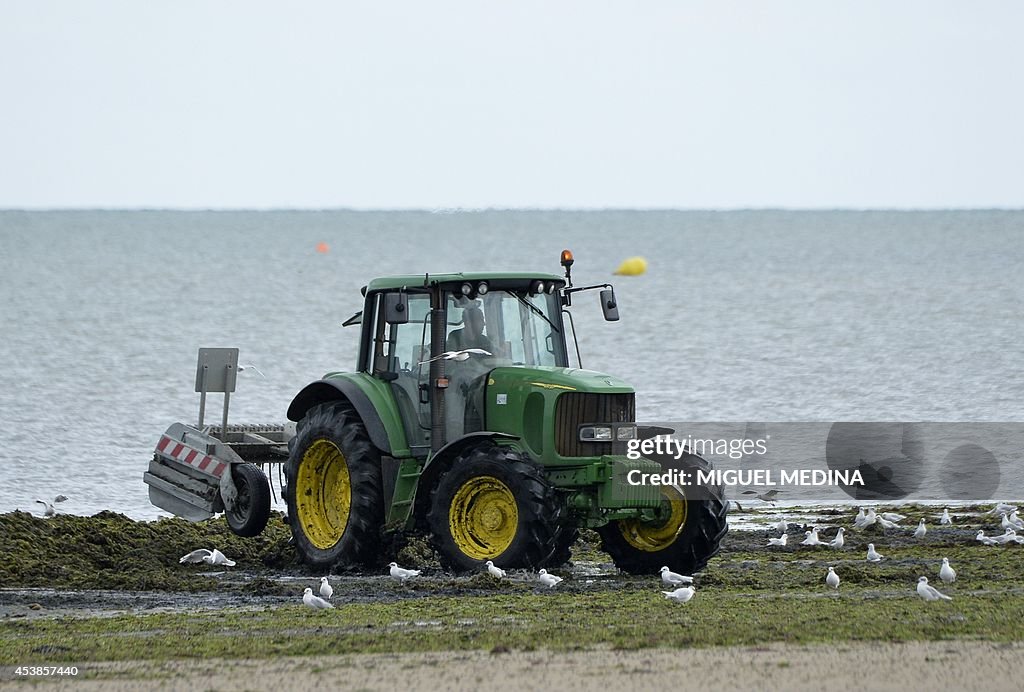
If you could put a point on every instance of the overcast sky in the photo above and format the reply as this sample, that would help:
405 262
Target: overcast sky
705 104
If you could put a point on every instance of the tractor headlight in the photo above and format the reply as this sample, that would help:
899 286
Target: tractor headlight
619 432
481 288
537 287
466 289
596 433
625 432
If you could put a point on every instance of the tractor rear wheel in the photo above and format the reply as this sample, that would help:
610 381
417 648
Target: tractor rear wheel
687 534
335 502
494 504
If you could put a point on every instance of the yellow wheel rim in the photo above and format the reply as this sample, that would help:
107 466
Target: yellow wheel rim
652 536
323 494
483 518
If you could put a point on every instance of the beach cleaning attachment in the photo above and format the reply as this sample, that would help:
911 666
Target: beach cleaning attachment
200 471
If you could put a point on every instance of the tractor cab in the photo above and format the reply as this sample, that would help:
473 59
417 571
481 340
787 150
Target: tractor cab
437 337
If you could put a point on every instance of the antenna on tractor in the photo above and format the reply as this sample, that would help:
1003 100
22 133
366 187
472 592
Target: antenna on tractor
567 261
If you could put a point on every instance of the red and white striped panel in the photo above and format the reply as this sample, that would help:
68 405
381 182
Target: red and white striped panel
189 455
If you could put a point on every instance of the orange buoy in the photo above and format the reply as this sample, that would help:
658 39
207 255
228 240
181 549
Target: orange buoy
323 247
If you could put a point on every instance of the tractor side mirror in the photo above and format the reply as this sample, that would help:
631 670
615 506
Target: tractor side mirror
396 307
609 305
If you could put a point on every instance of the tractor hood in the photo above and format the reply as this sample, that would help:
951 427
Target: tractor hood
555 379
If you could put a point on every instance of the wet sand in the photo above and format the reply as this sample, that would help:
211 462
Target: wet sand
869 666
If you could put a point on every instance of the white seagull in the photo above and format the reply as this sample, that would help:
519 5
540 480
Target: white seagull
920 531
48 507
929 593
892 516
548 580
1001 508
986 540
947 573
1011 522
464 354
673 579
402 574
250 366
1008 535
325 588
314 602
832 579
869 518
681 595
838 541
874 555
495 571
811 538
946 519
210 557
782 526
781 540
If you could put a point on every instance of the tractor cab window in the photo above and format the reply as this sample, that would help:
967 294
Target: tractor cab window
399 350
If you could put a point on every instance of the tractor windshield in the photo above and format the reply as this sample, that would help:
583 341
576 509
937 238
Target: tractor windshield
515 327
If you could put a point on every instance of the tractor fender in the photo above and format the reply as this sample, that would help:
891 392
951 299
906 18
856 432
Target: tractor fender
442 460
324 391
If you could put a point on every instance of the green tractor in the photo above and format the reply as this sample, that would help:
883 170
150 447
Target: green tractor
463 420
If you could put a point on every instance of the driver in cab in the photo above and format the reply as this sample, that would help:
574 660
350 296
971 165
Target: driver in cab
471 335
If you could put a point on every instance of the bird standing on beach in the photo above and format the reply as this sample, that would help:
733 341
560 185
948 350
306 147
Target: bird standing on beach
782 526
947 573
874 555
681 595
946 519
402 575
673 579
838 541
497 572
929 593
314 602
811 538
920 531
325 588
832 579
548 580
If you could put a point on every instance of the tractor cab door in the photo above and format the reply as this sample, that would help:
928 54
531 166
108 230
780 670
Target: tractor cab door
399 350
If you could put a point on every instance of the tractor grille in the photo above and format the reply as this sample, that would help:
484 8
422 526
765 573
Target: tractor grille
573 409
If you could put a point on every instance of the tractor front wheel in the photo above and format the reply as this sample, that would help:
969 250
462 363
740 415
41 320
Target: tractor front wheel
686 535
335 502
494 504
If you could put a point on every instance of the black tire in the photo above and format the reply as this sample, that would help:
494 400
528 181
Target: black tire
252 508
330 454
564 541
482 486
695 542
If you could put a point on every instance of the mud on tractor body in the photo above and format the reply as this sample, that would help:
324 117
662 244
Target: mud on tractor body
463 419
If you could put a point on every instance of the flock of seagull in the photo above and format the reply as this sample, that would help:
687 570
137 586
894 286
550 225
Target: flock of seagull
684 589
1009 521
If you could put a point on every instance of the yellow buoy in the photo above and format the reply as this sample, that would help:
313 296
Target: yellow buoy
634 266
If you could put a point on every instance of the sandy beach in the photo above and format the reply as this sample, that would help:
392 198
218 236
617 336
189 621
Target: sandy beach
868 666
